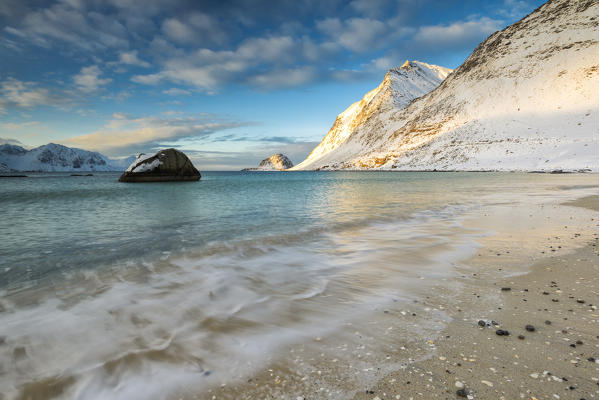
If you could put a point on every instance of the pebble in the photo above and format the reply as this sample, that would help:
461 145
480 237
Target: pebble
489 384
482 323
547 322
506 289
462 393
529 328
502 332
459 384
521 337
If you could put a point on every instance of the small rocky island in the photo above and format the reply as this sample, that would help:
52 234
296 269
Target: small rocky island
278 162
165 166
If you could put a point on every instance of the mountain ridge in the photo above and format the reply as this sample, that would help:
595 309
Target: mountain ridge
523 100
54 157
399 88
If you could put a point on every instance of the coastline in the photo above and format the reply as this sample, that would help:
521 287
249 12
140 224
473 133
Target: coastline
558 296
464 359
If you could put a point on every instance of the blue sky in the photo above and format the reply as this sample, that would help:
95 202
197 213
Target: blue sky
229 82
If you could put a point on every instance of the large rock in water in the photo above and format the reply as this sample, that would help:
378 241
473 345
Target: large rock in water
278 162
164 166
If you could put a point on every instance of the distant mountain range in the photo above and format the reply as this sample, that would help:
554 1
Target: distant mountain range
526 99
55 158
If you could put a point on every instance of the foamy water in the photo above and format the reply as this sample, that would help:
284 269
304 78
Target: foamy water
145 291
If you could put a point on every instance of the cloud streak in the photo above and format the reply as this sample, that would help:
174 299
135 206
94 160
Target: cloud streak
124 135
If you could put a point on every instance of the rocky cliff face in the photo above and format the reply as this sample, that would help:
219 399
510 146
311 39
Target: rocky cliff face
277 162
526 99
398 89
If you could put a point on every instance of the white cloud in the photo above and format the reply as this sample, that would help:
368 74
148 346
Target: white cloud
458 34
283 78
13 142
177 92
177 30
70 23
88 79
355 34
131 58
196 28
16 93
126 134
261 62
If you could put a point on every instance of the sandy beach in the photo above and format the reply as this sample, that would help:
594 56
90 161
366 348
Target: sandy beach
520 322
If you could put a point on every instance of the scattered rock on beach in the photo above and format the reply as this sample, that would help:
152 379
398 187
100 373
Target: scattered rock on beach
530 328
502 332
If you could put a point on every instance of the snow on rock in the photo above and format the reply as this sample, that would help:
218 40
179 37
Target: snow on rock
398 89
526 99
277 162
138 160
53 158
164 166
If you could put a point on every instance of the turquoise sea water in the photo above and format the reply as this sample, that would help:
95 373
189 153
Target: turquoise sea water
126 291
54 223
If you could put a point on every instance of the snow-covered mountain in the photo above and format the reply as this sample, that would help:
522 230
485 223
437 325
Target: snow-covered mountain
399 87
277 162
526 99
54 157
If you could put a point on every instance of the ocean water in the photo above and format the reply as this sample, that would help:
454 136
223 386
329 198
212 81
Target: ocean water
125 291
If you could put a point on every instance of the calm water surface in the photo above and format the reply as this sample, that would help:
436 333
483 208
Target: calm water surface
113 290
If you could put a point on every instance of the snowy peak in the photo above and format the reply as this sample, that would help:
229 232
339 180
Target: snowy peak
398 89
525 100
277 162
53 157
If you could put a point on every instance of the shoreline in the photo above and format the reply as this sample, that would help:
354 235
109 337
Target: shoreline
551 315
464 359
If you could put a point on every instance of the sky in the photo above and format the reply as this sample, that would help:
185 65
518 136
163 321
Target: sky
227 82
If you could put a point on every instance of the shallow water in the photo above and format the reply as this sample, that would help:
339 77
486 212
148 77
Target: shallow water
112 290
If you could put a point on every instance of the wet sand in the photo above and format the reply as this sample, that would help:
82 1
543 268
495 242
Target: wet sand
549 311
554 359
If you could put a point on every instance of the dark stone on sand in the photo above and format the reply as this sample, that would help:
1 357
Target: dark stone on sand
547 322
580 301
482 323
462 393
502 332
529 328
521 337
164 166
506 289
591 359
